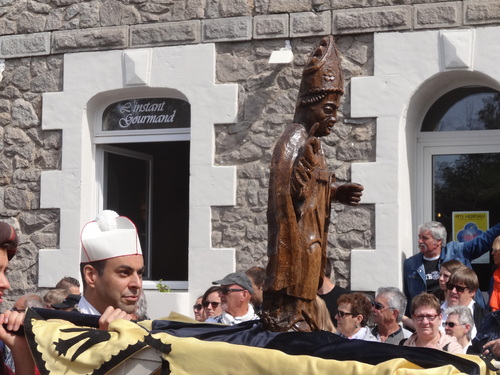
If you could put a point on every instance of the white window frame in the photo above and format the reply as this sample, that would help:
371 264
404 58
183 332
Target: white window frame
102 139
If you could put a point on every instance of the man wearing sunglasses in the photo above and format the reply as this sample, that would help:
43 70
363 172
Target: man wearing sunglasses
421 271
461 287
236 292
387 313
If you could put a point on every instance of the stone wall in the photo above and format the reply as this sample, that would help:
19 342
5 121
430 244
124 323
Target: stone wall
267 100
34 35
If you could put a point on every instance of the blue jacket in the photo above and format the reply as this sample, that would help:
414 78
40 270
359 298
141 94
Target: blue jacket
465 252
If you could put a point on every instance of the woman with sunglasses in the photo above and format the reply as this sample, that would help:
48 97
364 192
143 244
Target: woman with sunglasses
352 316
461 288
198 310
459 324
211 302
445 271
426 314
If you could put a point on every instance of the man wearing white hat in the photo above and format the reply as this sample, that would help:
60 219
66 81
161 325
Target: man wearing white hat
111 266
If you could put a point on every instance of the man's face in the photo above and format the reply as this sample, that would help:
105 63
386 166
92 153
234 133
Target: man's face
235 298
381 313
428 245
324 114
257 296
74 289
120 285
462 297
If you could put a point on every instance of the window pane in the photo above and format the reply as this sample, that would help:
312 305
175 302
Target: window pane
169 226
466 108
126 191
468 182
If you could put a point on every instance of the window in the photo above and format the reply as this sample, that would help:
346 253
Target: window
143 173
460 146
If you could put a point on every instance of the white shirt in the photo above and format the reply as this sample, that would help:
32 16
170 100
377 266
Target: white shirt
228 319
85 307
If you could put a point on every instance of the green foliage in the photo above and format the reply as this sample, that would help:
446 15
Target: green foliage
162 288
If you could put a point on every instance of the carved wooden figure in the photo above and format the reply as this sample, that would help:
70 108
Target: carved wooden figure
301 190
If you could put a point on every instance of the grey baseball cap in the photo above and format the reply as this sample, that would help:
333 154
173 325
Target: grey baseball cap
236 278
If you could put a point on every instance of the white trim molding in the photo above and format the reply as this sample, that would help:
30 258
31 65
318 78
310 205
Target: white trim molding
92 78
412 70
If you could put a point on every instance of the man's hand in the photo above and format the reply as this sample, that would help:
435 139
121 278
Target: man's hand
111 314
492 347
348 193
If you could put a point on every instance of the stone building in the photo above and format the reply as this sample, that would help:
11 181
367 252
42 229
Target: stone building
85 83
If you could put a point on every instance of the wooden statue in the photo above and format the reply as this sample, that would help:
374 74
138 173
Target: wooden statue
301 190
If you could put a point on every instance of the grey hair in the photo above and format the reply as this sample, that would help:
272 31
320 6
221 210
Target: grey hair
396 299
438 231
464 316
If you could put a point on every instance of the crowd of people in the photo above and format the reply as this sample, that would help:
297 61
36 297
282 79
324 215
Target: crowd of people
439 308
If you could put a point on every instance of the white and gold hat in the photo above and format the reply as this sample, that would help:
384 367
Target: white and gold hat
109 236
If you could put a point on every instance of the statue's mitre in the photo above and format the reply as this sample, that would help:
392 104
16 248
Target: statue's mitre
323 72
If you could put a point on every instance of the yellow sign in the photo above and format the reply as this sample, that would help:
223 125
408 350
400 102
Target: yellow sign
469 224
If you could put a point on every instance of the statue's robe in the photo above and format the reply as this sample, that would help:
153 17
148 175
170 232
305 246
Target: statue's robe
298 216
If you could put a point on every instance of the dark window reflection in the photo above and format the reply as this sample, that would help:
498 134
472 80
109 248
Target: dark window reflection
468 182
466 108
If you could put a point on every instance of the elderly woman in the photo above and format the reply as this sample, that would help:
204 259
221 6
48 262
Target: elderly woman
211 302
10 321
426 314
459 324
352 316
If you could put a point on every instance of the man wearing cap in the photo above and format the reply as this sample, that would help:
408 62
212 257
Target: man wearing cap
235 298
70 303
111 266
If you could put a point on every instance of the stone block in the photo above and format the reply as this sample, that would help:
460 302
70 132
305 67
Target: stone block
355 21
227 29
287 6
24 45
271 26
437 15
481 12
184 32
90 39
310 24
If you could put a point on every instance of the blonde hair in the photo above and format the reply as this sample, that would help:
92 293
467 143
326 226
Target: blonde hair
323 315
496 244
54 296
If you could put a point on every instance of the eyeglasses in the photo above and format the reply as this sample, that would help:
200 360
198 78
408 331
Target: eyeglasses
226 291
197 307
341 313
420 318
214 304
460 289
451 324
379 306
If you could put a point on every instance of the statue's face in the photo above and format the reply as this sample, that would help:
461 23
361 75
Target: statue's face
324 114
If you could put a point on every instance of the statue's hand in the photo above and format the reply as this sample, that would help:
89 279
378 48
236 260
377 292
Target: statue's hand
311 155
348 193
